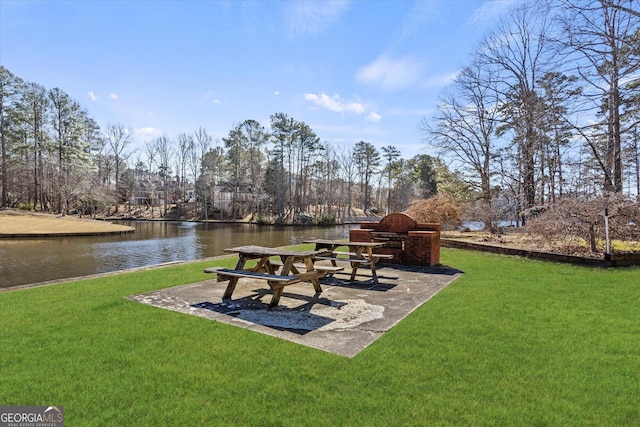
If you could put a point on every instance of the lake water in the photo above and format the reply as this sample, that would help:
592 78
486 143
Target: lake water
25 261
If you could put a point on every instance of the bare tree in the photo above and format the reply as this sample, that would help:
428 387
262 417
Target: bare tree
185 146
518 53
328 171
118 138
558 92
570 219
464 128
347 161
236 144
305 148
282 132
392 167
367 160
601 38
164 155
211 171
256 138
200 147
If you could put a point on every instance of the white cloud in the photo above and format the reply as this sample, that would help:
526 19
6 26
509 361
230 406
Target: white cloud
147 132
490 11
211 95
314 16
373 117
92 95
422 13
334 103
276 93
440 80
113 96
391 73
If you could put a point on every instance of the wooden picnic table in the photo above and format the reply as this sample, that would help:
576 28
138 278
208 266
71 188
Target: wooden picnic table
297 266
359 254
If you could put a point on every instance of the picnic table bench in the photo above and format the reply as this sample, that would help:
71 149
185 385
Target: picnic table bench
296 266
225 274
359 254
326 268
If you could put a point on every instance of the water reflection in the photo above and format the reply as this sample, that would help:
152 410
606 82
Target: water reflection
37 260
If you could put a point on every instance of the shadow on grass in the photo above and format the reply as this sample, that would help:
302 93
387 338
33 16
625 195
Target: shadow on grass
438 270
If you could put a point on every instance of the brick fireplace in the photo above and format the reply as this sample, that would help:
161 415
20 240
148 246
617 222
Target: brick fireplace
407 240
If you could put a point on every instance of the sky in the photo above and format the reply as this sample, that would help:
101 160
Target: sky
351 70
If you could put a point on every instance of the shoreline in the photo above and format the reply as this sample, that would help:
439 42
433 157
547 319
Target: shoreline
107 274
16 224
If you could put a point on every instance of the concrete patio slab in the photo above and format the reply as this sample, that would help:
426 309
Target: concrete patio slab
344 319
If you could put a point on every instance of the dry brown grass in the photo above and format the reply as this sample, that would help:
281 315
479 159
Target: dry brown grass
14 222
519 239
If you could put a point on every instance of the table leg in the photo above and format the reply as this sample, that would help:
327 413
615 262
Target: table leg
264 265
372 263
355 265
277 293
293 268
231 286
234 280
328 248
308 262
287 265
332 248
354 270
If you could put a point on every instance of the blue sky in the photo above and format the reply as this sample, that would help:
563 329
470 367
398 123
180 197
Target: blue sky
352 70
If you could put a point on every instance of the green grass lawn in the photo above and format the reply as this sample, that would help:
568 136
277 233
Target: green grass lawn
512 342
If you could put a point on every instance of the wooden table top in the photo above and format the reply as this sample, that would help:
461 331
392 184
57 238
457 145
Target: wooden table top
344 243
266 251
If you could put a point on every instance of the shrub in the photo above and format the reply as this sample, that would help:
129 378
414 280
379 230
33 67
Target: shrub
584 218
441 208
325 220
262 220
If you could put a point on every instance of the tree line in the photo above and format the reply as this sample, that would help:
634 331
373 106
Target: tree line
56 158
547 107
